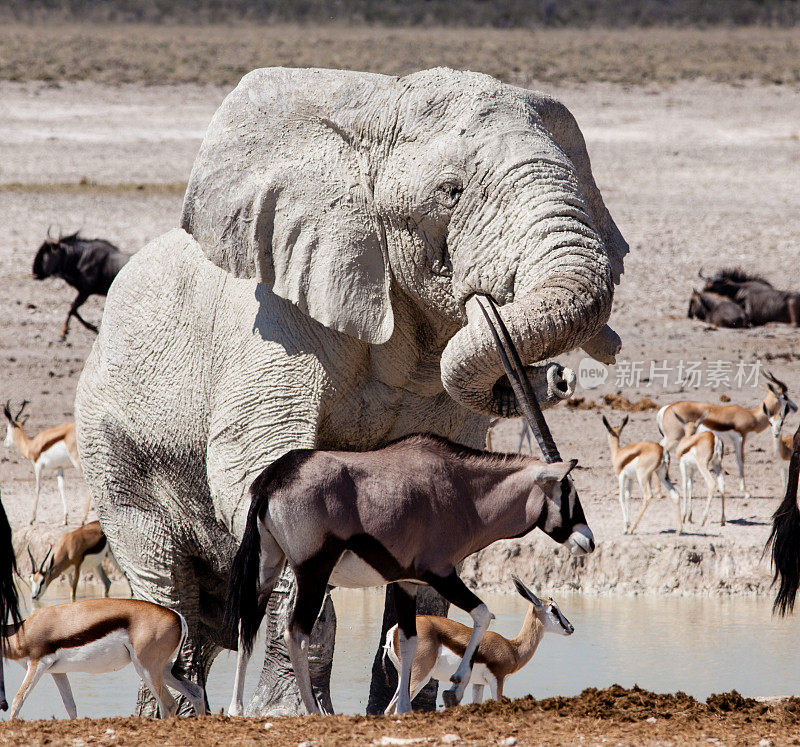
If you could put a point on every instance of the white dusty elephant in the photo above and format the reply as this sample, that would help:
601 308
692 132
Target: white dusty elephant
319 293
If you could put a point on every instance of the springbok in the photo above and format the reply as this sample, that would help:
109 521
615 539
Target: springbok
102 635
642 460
79 551
54 448
732 423
703 451
781 445
442 643
784 539
406 513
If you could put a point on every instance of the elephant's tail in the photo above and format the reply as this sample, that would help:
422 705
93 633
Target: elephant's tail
242 614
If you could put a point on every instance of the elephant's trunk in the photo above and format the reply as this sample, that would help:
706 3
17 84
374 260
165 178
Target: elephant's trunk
562 298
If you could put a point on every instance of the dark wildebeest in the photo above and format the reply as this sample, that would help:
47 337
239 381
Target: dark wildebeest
761 301
784 540
89 265
716 309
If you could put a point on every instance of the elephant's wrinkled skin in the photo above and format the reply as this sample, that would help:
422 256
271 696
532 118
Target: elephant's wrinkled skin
349 218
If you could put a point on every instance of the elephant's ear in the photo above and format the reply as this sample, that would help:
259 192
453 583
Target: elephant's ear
280 192
565 131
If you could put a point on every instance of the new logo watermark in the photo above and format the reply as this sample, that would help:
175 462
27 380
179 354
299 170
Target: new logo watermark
591 373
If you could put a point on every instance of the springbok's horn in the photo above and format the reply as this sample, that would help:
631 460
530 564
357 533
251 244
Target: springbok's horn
7 409
33 562
523 390
47 555
24 402
775 380
526 592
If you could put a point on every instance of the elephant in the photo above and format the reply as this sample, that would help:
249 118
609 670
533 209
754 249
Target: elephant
336 231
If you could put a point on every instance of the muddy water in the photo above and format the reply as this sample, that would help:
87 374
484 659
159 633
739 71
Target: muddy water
699 645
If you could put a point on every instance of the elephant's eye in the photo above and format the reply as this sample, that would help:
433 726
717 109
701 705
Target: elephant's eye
447 194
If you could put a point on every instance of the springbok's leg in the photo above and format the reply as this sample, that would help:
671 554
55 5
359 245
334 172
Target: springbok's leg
452 588
311 588
477 693
32 676
151 674
73 580
666 483
720 480
37 473
60 480
686 478
65 691
104 579
405 607
191 691
270 567
86 508
738 451
644 484
709 481
622 502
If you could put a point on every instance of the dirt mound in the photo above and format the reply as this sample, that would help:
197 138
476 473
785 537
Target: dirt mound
615 402
613 714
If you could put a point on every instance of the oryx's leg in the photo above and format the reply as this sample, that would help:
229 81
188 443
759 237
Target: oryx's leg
312 583
648 495
35 671
65 691
60 481
477 693
271 563
405 607
452 588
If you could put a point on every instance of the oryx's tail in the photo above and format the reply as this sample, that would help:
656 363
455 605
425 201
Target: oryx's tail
9 600
242 617
784 540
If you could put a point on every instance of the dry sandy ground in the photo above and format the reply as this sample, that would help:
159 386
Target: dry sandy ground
696 174
612 716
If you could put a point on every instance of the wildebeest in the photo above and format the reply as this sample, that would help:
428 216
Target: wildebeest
716 309
89 265
758 298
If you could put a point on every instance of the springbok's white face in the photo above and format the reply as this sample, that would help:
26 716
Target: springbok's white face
552 618
546 610
38 583
9 435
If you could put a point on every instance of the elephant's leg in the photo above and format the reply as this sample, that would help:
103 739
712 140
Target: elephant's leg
384 680
277 693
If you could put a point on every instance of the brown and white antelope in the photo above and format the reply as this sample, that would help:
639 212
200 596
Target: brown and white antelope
781 445
642 460
54 448
407 513
102 635
732 423
79 551
703 451
442 643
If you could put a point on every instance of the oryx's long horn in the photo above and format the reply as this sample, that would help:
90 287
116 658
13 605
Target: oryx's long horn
523 390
